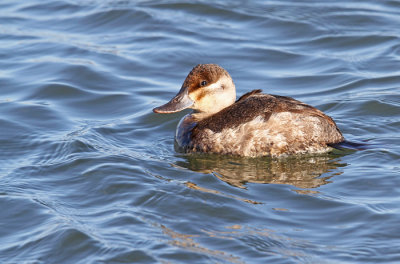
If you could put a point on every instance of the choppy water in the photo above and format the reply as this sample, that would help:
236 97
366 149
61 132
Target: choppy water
88 174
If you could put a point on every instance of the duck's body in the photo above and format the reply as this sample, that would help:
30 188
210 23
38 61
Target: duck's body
256 124
260 125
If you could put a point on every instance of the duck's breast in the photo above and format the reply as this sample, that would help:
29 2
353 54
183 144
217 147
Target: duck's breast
183 134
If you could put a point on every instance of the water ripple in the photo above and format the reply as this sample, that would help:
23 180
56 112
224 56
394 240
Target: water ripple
90 175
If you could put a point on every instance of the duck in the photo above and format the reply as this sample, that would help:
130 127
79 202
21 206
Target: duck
256 124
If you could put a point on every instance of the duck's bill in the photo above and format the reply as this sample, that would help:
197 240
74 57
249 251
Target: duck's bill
180 102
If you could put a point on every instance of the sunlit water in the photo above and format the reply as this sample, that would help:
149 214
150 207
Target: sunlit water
89 173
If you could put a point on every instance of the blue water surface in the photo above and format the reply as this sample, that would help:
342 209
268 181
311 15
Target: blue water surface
89 173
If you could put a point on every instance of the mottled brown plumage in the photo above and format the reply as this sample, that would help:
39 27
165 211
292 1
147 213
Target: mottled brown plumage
256 124
243 111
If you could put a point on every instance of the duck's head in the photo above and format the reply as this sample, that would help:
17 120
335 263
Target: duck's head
207 89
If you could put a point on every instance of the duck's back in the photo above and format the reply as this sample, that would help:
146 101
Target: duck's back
261 124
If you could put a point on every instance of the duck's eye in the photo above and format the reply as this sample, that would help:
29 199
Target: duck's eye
203 83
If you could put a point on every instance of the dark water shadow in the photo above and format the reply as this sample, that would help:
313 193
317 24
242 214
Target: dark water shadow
353 145
302 171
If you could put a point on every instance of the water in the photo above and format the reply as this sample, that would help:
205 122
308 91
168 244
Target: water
89 174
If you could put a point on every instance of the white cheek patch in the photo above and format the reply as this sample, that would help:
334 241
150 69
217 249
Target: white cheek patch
224 83
215 96
214 86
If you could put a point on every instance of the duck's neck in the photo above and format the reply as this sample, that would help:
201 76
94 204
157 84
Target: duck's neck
201 115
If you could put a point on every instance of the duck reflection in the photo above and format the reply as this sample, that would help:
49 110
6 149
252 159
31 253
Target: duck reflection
305 172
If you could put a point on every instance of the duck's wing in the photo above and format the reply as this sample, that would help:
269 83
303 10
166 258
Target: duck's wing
255 104
288 104
313 119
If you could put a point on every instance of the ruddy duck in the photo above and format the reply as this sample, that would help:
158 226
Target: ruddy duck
256 124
